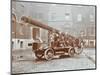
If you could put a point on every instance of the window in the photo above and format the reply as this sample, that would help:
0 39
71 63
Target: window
91 43
38 15
79 17
35 33
18 41
67 16
13 23
12 44
21 44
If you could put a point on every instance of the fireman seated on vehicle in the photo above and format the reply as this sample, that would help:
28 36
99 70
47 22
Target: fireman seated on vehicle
58 41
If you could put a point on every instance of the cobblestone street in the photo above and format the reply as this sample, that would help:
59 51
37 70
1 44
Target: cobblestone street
24 61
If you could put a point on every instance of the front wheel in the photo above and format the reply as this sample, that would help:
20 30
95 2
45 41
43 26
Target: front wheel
79 50
48 54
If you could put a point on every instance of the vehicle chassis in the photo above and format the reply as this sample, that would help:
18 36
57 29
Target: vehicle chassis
49 52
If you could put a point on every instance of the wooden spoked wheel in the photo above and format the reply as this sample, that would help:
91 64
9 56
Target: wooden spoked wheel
48 54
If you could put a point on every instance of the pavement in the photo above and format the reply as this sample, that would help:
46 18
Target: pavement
24 61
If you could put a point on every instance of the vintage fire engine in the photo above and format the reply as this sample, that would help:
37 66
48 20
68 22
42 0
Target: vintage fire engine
59 42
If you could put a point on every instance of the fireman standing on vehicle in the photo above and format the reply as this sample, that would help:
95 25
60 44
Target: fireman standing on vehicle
62 40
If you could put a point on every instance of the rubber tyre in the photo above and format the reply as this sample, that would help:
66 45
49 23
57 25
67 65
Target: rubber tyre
48 54
71 52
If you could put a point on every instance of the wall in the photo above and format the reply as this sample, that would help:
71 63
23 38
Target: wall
17 46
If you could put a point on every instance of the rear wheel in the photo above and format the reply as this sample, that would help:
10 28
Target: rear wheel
48 54
71 52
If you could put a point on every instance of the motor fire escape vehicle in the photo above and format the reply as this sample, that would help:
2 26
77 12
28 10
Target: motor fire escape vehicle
59 43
